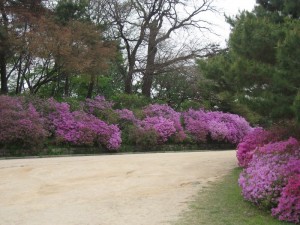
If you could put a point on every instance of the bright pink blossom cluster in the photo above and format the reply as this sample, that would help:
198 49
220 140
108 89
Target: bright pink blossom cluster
81 128
169 114
269 177
93 121
20 123
96 105
126 115
218 126
254 139
288 208
163 127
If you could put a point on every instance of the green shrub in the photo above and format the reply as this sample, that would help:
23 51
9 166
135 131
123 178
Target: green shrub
131 102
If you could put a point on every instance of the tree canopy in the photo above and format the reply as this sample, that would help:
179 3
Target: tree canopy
260 71
84 48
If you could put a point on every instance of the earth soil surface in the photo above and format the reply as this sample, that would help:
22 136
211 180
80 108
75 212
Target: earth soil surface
132 189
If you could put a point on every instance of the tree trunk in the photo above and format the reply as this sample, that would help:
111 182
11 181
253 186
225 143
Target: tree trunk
147 82
128 80
18 89
91 87
67 86
149 73
4 86
150 67
4 47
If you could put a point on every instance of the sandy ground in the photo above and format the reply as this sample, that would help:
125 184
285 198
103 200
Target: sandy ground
135 189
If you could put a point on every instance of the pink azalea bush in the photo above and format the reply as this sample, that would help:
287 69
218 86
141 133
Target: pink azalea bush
20 123
161 124
288 208
92 122
164 128
167 113
100 108
97 105
81 128
126 115
218 126
265 180
254 139
196 124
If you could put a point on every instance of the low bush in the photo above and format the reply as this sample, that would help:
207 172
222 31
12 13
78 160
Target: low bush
126 116
254 139
28 121
163 127
100 108
288 208
216 126
141 137
128 101
20 124
166 112
268 180
81 128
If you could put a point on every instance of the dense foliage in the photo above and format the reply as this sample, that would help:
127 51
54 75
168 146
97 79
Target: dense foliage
85 48
288 208
94 122
20 123
256 138
258 75
270 173
81 128
67 49
216 126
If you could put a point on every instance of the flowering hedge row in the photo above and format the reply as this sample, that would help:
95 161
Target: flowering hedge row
271 173
20 123
30 122
217 126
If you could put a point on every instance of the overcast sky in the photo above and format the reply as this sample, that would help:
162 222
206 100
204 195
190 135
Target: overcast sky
230 8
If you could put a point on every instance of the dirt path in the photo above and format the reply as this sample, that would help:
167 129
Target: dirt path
138 189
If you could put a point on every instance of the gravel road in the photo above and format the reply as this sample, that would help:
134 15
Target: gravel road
133 189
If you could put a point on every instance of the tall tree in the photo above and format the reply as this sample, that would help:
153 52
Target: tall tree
145 27
289 8
15 18
47 46
261 69
87 43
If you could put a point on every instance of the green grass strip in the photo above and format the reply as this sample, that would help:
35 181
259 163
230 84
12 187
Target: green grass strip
222 204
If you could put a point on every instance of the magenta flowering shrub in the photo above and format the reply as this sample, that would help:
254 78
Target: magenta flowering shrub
263 182
98 104
164 128
168 113
288 208
31 120
217 126
20 123
227 127
254 139
281 146
196 124
101 108
81 128
126 115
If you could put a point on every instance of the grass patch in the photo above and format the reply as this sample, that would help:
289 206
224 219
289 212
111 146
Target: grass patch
222 204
